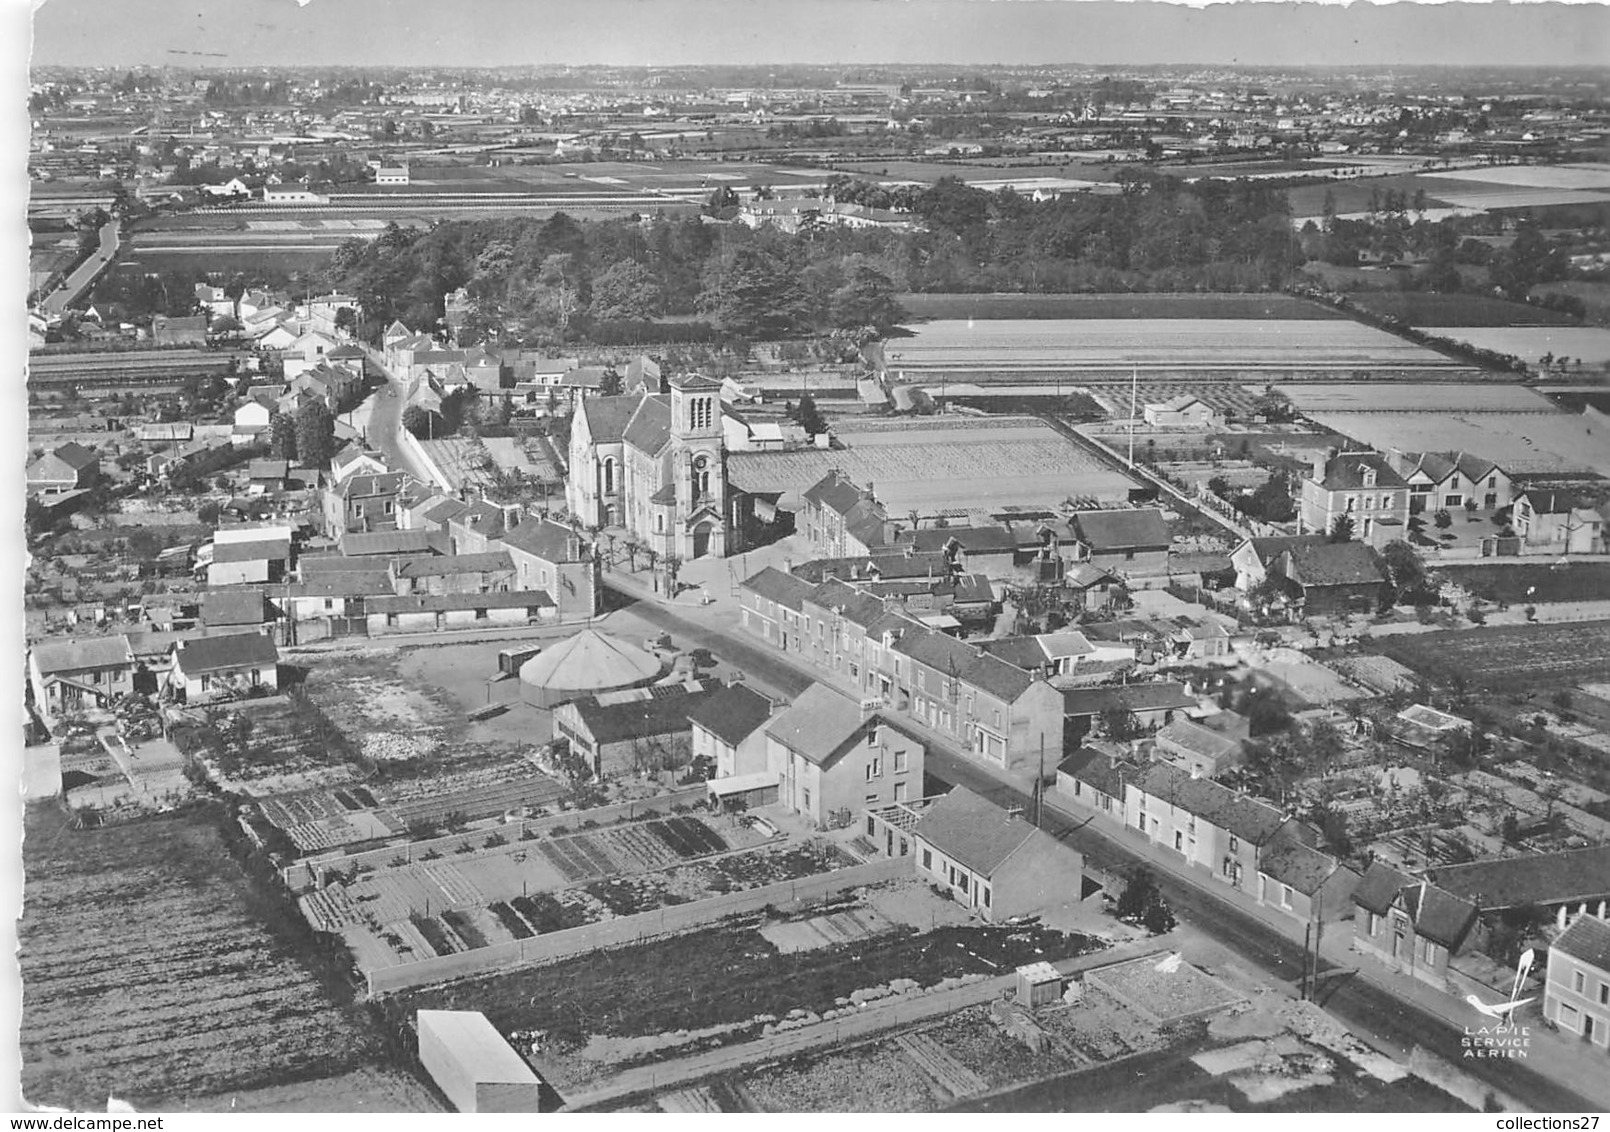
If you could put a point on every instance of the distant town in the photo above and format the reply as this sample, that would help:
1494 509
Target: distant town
546 585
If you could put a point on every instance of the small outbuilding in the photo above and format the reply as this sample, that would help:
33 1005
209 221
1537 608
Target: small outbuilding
472 1064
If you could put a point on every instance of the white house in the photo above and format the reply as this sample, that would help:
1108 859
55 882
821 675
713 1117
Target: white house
214 666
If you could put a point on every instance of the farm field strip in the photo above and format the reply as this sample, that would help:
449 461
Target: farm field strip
1589 344
1112 307
1518 442
1425 397
1576 176
1429 308
1520 656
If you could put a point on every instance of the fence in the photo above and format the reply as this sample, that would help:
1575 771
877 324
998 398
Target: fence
627 930
304 873
422 460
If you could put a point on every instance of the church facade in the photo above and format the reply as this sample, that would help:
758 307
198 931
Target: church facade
655 464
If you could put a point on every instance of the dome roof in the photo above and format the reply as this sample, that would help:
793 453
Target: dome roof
589 661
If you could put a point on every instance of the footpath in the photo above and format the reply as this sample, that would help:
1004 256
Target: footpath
874 1018
1576 1066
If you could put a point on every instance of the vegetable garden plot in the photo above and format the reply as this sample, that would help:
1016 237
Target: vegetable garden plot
1509 657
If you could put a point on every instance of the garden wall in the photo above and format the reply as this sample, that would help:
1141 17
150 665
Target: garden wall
626 930
303 873
422 460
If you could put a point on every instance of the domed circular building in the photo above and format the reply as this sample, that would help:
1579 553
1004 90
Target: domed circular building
584 665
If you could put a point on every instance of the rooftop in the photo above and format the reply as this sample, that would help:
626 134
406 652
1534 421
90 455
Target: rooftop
974 831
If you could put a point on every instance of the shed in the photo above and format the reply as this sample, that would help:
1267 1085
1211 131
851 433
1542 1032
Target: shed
1038 984
743 791
510 660
475 1068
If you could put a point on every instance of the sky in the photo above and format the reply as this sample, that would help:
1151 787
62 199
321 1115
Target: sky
671 32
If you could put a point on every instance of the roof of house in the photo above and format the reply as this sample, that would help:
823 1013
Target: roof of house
445 510
1346 471
819 724
544 539
267 550
607 417
75 455
1303 867
365 583
361 544
1098 768
885 566
371 483
1332 564
1194 737
784 589
235 650
1269 549
1230 810
854 606
991 674
1141 529
650 427
233 607
1587 939
1022 652
448 603
441 565
1538 878
85 652
974 831
1177 402
973 540
1438 915
1130 697
666 712
835 492
268 469
732 714
1551 502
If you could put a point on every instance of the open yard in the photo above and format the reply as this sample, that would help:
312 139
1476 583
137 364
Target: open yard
1109 306
1511 657
148 972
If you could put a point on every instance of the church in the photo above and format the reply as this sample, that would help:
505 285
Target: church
656 464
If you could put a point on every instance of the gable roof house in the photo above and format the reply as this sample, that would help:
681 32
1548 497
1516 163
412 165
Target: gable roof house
1130 542
1411 925
645 730
1450 480
1181 411
68 467
993 862
1197 750
1211 826
1305 883
1576 988
728 729
362 501
1363 486
1568 883
843 519
1332 577
1558 522
72 675
228 665
1253 557
552 558
832 759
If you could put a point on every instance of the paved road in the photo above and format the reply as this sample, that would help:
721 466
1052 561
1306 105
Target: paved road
71 287
1369 1009
384 430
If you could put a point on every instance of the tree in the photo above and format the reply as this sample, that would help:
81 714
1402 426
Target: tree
809 416
611 384
1405 570
346 320
1142 902
418 420
866 299
1120 724
625 291
315 434
1341 529
282 436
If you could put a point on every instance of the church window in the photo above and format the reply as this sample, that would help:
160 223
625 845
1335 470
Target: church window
699 414
609 476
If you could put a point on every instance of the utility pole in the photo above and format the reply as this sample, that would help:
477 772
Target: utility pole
1134 392
1039 784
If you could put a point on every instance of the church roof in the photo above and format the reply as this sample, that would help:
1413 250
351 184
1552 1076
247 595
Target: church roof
607 417
650 427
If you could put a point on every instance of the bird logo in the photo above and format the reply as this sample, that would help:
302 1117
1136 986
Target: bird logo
1503 1010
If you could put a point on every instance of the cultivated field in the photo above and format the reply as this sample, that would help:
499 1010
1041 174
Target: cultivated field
989 350
1511 657
147 975
1143 306
1589 345
1408 397
1521 442
1520 585
1428 308
1226 397
944 465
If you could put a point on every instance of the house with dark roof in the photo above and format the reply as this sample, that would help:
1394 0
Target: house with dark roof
1253 557
380 546
832 758
1451 480
843 519
729 730
72 675
1576 988
432 613
644 730
260 561
1557 522
553 559
1569 883
1209 825
235 609
1153 704
68 467
772 607
1132 543
992 861
1331 578
362 501
1363 486
991 551
1094 778
490 572
232 664
1411 925
1304 883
